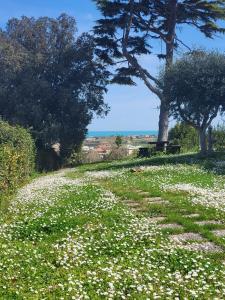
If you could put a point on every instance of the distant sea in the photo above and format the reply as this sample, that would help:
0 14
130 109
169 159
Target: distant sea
121 133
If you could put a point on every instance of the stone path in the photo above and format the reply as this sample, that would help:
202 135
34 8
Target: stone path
187 240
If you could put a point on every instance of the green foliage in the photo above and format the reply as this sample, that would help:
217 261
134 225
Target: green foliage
195 88
127 30
81 157
16 156
184 135
219 137
118 141
117 153
56 86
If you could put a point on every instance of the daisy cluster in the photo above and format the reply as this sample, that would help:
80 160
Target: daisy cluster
202 186
135 262
208 197
161 177
41 191
102 174
75 240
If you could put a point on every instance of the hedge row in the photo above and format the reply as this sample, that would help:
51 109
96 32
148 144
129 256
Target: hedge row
17 156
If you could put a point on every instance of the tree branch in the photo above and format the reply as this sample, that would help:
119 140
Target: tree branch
144 74
186 119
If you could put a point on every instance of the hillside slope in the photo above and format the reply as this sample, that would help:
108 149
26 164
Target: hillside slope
137 229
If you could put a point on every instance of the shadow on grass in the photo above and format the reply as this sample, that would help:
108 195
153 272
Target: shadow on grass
207 163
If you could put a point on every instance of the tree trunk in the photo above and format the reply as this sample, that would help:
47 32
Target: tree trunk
164 107
202 141
210 140
163 122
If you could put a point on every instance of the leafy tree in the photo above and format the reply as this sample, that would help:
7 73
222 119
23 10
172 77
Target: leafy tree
195 86
118 141
51 82
184 135
130 28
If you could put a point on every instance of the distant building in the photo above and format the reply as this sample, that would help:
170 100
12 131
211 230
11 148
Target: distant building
103 150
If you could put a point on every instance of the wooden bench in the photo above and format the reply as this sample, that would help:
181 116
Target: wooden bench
144 152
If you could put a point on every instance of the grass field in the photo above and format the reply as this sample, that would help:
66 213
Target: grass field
135 229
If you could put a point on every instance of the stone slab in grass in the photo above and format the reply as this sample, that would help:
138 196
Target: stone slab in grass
192 216
205 247
156 219
153 199
187 236
137 209
219 232
142 193
159 202
138 191
170 226
208 222
156 200
133 204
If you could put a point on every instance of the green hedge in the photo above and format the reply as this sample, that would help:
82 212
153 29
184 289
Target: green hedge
17 156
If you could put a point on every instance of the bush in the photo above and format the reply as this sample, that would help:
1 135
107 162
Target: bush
16 156
185 136
219 137
117 153
81 157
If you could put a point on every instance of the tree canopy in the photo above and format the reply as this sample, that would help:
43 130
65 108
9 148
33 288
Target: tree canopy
129 29
195 86
51 81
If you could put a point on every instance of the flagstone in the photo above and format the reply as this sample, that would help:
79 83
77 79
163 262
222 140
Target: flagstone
219 232
170 226
187 236
205 247
208 222
156 219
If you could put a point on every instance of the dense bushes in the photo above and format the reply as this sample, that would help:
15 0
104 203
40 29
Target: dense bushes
218 135
16 156
184 135
187 137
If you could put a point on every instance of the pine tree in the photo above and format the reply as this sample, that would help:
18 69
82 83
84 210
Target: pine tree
128 31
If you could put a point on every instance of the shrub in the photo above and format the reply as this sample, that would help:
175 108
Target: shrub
16 156
92 157
81 157
219 137
184 135
117 153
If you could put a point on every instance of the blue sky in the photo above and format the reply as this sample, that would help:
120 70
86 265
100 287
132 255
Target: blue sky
132 108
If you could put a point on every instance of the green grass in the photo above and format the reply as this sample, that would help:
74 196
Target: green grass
83 242
127 186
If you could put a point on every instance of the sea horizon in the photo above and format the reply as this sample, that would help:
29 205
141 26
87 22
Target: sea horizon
124 133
